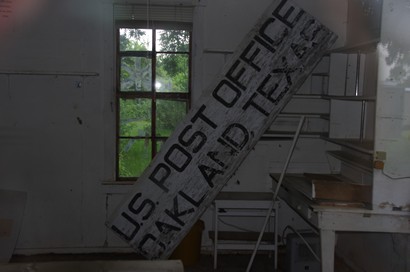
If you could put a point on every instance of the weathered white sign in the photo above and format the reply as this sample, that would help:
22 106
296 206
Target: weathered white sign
214 138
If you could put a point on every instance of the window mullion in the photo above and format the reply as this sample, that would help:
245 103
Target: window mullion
189 71
117 107
154 97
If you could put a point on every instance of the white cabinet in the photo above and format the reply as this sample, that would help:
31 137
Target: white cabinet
309 102
352 96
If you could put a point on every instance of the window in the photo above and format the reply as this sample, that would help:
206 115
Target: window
153 90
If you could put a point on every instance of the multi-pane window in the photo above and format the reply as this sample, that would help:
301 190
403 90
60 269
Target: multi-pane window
153 90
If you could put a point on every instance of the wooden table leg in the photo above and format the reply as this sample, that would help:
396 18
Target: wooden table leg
327 244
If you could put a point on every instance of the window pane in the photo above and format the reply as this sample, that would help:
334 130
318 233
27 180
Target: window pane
136 75
134 156
135 117
169 114
132 39
172 73
172 40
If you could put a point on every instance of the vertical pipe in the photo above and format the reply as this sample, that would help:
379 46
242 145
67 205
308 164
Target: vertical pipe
362 121
346 72
292 148
285 167
357 80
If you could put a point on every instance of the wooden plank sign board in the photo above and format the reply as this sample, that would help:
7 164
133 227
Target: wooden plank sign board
215 137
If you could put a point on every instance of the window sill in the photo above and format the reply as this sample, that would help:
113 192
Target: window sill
116 187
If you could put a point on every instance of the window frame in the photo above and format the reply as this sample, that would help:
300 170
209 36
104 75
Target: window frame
152 94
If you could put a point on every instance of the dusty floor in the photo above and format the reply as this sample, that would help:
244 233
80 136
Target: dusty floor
239 262
233 263
226 262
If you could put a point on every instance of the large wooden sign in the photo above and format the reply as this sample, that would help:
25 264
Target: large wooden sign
214 138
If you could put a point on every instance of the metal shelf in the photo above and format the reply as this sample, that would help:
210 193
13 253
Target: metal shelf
280 135
364 47
307 96
363 146
307 115
350 98
243 204
365 164
240 240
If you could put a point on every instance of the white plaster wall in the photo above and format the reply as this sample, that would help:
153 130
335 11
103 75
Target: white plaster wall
391 187
57 132
51 127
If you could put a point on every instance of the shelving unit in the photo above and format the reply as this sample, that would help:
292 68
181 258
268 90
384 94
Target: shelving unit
308 102
363 146
364 164
356 195
343 100
243 205
271 135
349 98
352 97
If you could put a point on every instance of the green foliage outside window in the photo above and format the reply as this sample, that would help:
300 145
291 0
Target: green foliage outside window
137 130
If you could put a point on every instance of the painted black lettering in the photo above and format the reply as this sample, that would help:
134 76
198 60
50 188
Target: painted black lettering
250 60
145 240
265 44
160 175
285 70
165 227
308 34
196 203
232 150
286 14
198 136
282 94
199 115
236 135
235 78
132 222
252 103
226 93
175 213
209 173
271 35
212 155
299 49
146 203
266 84
177 157
269 87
